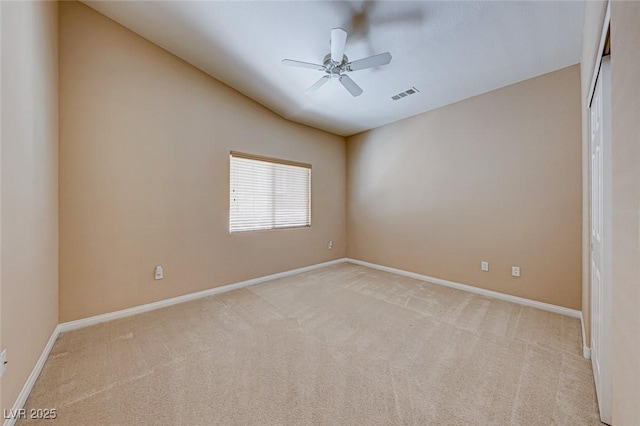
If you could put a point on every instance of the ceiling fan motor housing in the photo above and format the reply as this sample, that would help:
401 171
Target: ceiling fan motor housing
334 68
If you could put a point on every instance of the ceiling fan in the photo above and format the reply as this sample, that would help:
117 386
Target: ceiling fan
336 64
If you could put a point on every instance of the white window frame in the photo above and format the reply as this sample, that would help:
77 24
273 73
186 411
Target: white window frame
273 176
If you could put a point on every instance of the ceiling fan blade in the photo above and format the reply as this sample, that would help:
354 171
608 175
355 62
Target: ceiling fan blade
350 85
338 41
299 64
370 62
317 85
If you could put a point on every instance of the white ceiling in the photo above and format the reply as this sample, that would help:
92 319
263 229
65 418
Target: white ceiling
448 50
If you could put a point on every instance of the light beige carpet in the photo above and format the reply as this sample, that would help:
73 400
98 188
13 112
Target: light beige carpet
343 345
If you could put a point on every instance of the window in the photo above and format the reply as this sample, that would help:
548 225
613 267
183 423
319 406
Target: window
267 193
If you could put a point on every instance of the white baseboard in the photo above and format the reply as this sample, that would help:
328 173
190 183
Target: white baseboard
86 322
493 294
586 350
31 380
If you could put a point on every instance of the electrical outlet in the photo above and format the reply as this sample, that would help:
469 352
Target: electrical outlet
330 245
3 362
515 271
484 266
159 273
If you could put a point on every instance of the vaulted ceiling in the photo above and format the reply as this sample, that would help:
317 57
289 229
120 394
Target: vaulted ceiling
448 51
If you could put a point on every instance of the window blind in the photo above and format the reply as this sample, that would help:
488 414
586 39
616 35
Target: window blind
268 193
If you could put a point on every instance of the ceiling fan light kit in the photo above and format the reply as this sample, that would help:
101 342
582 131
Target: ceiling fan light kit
336 64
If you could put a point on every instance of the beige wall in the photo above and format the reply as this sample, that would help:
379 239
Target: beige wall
144 174
625 134
29 187
496 177
144 181
593 21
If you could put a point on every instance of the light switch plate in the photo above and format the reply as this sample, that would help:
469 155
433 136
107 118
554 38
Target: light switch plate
3 362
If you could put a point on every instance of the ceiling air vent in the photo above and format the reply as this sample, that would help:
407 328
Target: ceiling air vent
404 94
